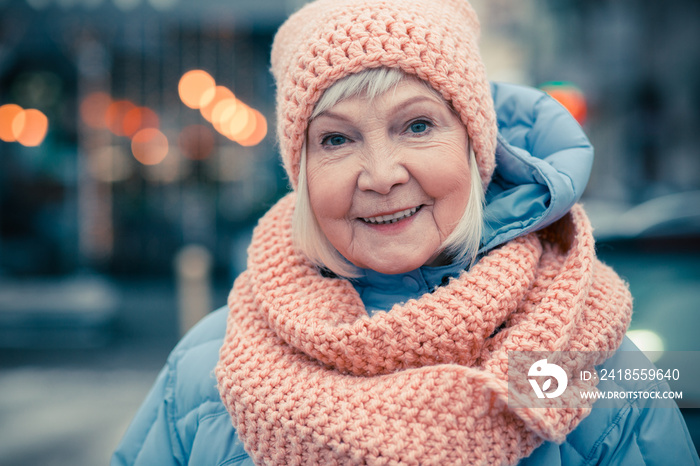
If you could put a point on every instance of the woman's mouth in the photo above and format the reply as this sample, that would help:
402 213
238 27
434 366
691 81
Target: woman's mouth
391 218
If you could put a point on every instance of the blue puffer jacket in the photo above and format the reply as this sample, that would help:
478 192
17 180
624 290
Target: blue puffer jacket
544 162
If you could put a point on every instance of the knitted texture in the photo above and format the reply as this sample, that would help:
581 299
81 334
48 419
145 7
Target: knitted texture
309 378
435 40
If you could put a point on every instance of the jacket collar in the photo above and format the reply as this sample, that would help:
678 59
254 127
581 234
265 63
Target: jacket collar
379 291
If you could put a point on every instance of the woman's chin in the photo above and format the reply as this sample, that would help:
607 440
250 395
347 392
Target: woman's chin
391 267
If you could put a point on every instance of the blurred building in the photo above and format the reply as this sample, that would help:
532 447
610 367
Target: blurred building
82 199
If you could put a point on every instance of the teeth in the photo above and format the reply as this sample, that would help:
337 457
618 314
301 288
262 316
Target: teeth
384 219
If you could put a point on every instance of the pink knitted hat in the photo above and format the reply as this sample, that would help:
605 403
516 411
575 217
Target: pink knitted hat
435 40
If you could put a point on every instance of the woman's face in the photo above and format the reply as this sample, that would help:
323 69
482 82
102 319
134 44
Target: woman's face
388 179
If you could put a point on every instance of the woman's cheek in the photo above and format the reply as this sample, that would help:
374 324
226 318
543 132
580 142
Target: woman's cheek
330 191
440 178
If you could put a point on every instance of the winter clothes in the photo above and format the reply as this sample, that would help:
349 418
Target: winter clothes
183 421
310 378
542 169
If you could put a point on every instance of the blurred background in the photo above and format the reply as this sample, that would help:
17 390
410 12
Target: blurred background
137 152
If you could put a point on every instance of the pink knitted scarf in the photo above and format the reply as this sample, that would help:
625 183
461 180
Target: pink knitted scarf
309 378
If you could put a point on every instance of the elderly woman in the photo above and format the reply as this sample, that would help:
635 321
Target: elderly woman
431 232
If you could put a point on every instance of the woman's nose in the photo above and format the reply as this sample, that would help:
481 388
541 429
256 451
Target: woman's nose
383 169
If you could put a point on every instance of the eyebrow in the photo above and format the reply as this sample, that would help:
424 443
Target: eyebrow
405 103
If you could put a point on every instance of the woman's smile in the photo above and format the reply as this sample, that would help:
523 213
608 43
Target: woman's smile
386 219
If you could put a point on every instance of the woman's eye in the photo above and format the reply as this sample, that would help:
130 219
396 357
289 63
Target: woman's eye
418 126
334 140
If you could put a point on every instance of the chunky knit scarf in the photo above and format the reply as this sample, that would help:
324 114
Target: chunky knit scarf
309 378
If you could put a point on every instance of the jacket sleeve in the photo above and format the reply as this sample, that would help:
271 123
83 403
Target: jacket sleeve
149 439
645 430
649 434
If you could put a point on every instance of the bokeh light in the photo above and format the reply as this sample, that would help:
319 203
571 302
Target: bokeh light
220 107
648 341
196 142
149 146
248 129
238 121
258 133
222 113
214 96
570 96
173 168
93 109
193 86
139 118
29 127
116 115
8 112
110 164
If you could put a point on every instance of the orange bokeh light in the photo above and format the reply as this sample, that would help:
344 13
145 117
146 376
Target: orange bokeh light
219 106
116 115
247 130
139 118
8 112
258 133
217 94
29 127
196 142
571 97
149 146
238 122
573 101
93 109
193 86
222 113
